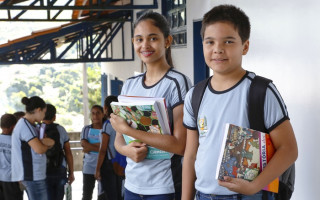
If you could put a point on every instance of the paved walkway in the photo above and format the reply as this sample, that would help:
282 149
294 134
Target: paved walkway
76 188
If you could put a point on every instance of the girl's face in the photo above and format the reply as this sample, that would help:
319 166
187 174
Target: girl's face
96 115
39 114
149 43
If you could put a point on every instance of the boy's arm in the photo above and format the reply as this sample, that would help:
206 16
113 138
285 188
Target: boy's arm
69 159
188 171
286 153
172 143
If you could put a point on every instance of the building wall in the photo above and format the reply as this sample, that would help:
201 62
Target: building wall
284 46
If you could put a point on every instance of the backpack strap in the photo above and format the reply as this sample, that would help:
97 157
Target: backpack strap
256 99
197 96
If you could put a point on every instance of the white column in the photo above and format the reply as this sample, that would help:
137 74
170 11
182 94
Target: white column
86 116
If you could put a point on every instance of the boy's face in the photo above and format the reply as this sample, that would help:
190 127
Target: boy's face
223 48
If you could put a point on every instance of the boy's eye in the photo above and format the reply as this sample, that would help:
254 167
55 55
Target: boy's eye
229 42
209 42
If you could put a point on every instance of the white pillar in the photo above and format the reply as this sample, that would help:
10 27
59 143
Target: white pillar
86 116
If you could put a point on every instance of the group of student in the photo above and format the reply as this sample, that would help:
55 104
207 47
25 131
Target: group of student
190 172
24 162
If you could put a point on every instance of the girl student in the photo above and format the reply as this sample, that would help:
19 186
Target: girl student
110 182
90 141
29 148
145 178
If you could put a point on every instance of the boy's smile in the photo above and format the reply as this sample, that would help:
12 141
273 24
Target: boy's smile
223 48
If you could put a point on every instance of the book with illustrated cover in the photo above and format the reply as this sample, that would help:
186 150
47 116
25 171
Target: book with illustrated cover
145 114
244 154
67 192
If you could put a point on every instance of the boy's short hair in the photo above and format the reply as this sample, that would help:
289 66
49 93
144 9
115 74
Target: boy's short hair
19 114
8 121
230 14
50 113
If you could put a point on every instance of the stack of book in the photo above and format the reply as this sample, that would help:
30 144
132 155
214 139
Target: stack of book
146 114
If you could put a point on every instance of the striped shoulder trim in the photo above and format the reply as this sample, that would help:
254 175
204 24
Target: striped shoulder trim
184 78
137 76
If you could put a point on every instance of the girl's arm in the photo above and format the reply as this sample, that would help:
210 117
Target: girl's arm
102 154
41 146
69 159
172 143
87 147
188 170
286 153
136 151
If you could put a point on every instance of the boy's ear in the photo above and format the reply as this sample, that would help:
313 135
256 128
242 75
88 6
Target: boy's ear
245 47
168 41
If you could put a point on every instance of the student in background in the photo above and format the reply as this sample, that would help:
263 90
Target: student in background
29 148
8 190
225 33
110 182
154 179
62 157
90 141
19 114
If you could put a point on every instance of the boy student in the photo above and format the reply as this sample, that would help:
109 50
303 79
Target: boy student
225 33
8 189
58 158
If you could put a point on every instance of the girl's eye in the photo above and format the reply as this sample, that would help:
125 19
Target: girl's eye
138 39
153 39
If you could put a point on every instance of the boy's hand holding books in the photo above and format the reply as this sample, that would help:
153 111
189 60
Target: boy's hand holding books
238 185
138 151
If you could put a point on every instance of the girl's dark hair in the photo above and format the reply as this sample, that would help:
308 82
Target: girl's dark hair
98 107
230 14
8 121
51 112
107 103
33 103
160 22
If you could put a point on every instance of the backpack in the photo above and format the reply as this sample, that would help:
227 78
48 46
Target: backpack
256 98
55 154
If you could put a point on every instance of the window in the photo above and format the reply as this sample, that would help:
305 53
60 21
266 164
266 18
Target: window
175 11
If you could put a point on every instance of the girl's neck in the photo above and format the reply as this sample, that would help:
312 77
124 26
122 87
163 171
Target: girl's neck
155 73
97 125
31 119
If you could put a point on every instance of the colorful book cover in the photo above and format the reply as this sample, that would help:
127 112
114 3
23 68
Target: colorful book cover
244 154
145 116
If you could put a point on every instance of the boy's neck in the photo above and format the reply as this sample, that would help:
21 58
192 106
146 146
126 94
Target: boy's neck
221 82
47 121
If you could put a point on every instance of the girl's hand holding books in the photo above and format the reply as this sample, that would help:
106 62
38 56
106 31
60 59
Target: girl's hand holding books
119 124
138 151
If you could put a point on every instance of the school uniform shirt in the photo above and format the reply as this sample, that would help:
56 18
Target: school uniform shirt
63 139
151 177
90 159
218 108
5 158
108 130
27 164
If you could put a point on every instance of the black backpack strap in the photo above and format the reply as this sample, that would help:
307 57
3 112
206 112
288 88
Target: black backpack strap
256 98
197 96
